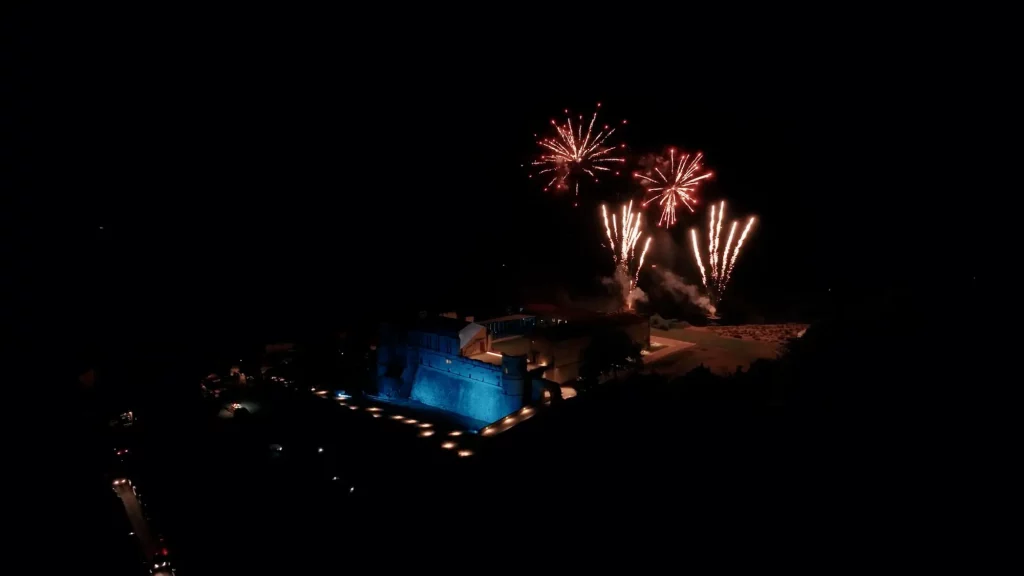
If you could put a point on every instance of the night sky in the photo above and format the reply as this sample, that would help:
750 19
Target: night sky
265 179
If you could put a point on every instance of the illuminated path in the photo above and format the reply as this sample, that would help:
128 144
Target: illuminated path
449 432
671 346
133 508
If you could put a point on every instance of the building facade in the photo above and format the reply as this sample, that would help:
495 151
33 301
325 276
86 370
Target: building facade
430 362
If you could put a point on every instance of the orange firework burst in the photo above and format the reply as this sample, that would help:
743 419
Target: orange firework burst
721 265
679 186
575 152
622 241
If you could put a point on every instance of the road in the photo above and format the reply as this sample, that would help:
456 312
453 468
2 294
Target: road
133 508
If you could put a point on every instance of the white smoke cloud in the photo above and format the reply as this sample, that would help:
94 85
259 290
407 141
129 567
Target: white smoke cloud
678 288
621 285
635 295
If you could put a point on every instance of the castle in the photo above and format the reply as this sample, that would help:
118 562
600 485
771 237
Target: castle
488 369
447 363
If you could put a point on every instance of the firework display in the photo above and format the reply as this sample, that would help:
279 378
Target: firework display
581 149
721 264
679 186
622 240
576 152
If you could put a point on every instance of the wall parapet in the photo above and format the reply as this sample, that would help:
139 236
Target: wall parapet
475 370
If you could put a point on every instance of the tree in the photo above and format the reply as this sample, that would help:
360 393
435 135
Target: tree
607 353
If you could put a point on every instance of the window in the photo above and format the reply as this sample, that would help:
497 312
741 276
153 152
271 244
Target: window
447 360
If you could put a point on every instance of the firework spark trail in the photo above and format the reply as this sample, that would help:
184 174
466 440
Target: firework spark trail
679 186
623 247
716 266
712 251
634 237
720 271
696 254
573 151
627 233
604 211
636 276
718 234
725 253
739 244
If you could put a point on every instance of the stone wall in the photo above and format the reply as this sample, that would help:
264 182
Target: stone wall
473 398
472 388
461 366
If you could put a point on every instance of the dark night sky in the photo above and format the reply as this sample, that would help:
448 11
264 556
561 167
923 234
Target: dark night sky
266 174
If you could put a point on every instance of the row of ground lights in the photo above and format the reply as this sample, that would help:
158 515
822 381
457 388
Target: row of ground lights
524 413
426 428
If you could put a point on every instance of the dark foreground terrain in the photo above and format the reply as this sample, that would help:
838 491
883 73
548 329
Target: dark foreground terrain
614 468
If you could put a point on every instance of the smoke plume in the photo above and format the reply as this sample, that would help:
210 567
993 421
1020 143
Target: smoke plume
635 295
622 286
678 288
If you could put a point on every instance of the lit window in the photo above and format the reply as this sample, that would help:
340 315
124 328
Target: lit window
447 361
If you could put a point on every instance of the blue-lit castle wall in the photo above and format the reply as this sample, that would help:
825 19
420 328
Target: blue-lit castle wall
465 386
449 381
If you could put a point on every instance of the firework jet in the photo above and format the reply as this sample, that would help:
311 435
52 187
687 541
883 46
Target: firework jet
696 254
721 265
623 236
576 151
736 252
672 183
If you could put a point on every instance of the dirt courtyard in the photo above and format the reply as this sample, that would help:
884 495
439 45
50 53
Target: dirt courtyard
722 348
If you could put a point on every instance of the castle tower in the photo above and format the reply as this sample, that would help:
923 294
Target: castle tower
515 380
